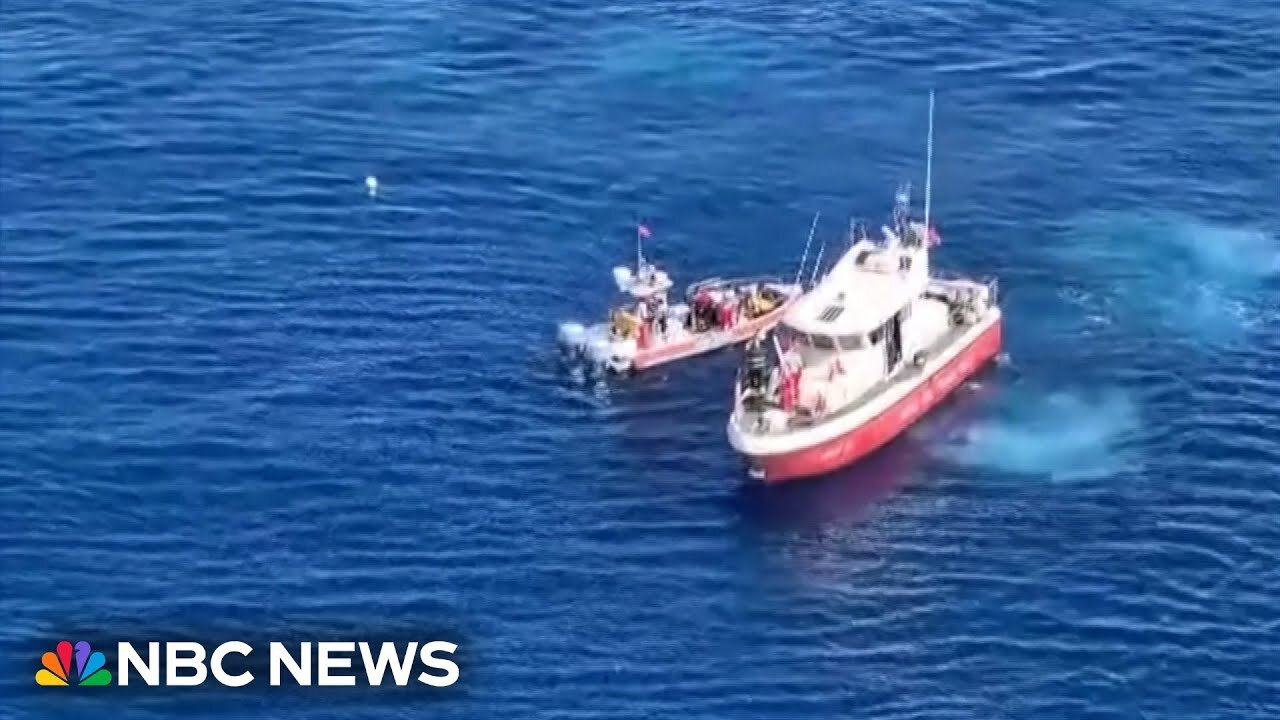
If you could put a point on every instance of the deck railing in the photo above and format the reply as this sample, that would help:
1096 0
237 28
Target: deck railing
991 282
736 281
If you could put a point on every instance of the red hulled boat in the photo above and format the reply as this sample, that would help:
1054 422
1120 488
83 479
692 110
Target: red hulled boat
648 330
873 346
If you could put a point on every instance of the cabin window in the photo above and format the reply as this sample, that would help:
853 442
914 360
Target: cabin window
822 342
875 335
904 263
790 337
862 257
850 342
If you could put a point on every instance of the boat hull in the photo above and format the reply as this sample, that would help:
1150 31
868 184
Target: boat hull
706 342
868 436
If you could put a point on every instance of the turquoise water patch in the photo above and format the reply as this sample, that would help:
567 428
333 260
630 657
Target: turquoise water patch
1065 435
686 57
1181 274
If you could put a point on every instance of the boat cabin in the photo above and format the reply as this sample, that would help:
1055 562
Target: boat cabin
647 290
854 328
647 282
856 304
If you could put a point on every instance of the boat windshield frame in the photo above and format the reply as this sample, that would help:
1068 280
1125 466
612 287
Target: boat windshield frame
790 337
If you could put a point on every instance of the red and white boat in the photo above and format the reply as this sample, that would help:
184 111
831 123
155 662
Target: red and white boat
877 343
648 330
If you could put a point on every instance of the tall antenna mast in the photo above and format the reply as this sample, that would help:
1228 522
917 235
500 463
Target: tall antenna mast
803 258
817 265
928 168
639 249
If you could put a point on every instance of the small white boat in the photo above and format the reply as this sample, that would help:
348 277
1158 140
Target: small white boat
647 330
876 344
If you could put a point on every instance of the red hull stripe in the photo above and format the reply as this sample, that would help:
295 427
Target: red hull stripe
875 433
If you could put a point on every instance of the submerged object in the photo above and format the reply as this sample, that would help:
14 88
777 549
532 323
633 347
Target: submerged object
876 344
648 330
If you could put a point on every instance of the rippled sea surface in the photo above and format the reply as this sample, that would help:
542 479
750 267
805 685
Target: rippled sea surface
243 399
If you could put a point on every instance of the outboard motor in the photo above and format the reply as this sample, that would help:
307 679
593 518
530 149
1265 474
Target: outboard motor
573 339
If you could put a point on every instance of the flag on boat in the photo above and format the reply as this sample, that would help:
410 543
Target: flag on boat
934 237
643 231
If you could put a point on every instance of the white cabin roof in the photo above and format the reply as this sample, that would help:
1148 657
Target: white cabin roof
642 285
854 298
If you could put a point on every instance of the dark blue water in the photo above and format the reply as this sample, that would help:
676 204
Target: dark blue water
241 398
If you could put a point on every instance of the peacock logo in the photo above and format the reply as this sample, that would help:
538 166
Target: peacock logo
90 666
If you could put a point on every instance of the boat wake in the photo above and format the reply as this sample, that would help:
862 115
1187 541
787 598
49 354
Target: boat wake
1064 436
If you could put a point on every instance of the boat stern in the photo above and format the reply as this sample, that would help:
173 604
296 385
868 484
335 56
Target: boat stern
595 346
771 459
766 446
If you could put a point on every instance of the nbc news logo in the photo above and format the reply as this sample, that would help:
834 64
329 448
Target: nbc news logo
186 664
90 666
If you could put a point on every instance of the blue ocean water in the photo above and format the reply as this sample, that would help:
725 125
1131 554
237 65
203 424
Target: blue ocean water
243 399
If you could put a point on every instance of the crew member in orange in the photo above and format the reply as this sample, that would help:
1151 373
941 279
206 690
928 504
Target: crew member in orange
624 323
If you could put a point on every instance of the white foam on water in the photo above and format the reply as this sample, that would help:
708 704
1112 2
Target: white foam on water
1062 435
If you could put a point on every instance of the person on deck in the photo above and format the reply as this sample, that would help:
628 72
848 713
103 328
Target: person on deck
756 364
757 303
728 309
624 323
792 364
701 310
644 313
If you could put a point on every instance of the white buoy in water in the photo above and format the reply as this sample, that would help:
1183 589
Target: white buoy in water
371 183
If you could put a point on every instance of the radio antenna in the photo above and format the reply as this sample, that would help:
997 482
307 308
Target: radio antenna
928 168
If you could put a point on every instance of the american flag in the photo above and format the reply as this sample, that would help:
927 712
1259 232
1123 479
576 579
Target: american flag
643 231
934 237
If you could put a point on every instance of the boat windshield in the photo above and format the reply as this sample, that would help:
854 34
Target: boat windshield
814 349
